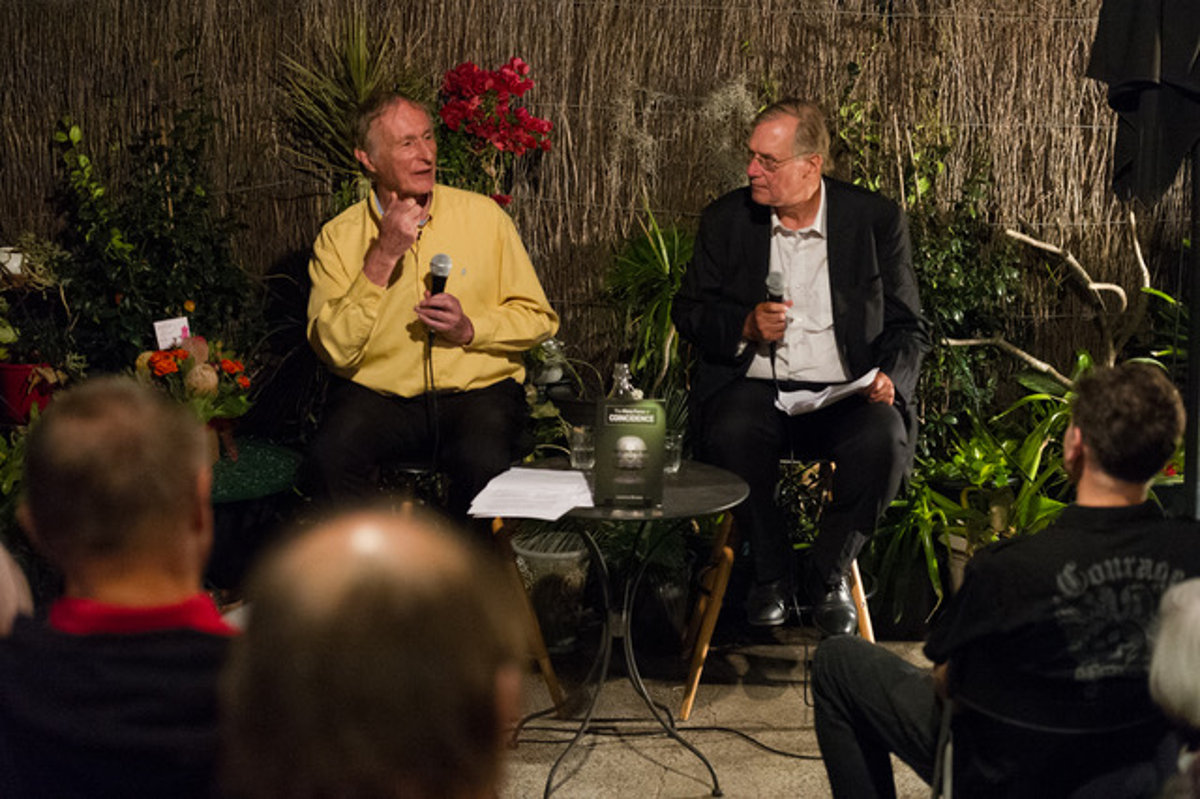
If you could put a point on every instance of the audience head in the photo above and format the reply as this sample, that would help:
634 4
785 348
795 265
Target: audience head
1175 663
812 130
115 471
1129 418
380 660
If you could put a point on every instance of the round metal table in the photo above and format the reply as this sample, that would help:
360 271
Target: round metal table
697 489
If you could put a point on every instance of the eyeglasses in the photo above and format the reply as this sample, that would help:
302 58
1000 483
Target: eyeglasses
770 163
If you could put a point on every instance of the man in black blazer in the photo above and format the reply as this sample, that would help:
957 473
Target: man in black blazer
844 303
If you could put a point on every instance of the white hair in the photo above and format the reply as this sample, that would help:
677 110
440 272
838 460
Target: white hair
1175 664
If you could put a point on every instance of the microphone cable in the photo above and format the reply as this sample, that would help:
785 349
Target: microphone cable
439 270
432 417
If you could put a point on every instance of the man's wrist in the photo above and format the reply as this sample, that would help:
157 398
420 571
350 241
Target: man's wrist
380 264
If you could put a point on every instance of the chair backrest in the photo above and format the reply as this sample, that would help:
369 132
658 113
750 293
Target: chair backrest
995 756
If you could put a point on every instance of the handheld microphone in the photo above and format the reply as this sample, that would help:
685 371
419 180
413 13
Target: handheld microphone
774 287
439 270
774 294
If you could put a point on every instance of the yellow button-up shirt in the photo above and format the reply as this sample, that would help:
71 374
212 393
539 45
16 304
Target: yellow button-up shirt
370 334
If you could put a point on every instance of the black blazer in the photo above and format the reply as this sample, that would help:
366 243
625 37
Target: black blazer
876 311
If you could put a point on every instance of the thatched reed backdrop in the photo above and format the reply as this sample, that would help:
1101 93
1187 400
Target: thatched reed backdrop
646 95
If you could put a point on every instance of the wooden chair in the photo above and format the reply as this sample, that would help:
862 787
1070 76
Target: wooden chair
714 579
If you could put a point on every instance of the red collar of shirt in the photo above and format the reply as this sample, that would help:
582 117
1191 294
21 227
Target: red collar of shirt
88 617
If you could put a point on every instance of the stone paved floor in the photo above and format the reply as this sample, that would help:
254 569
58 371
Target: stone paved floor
751 720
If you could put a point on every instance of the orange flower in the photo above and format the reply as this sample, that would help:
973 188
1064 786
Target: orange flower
189 306
243 381
231 367
163 363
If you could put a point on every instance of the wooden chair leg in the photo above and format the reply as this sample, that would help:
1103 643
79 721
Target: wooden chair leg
713 583
537 644
865 629
708 623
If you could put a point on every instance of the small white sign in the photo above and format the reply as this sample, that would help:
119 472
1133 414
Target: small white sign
10 259
170 332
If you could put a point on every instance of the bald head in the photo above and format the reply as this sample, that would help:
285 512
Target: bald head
372 660
318 569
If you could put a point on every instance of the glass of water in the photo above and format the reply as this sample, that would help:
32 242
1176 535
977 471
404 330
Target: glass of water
672 452
583 448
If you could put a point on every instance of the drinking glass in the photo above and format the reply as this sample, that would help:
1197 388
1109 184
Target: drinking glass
583 448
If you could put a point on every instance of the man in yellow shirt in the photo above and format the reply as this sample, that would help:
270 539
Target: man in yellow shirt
424 374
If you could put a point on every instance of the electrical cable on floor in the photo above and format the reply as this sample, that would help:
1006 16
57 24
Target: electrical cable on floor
612 731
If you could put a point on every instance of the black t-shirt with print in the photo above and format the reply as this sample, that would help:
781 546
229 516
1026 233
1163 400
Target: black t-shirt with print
1053 629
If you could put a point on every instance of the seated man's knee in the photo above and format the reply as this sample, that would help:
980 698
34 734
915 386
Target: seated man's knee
879 442
834 659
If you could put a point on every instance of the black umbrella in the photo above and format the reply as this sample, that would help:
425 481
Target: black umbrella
1148 52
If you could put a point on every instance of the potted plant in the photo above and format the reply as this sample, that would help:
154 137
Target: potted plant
210 380
36 356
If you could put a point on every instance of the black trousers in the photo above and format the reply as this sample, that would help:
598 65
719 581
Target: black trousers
868 703
743 431
477 435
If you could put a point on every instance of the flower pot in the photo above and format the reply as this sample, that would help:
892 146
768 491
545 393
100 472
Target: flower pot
960 552
221 440
23 385
554 568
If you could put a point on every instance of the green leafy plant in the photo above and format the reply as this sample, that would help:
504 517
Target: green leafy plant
1168 335
1005 479
8 333
966 268
151 245
642 283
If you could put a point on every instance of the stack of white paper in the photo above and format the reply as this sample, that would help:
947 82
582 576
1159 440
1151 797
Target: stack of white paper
794 403
532 494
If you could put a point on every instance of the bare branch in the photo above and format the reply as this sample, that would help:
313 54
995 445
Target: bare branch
1076 268
1137 250
1036 364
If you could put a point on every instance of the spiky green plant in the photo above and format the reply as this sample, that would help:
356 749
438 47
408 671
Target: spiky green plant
323 92
643 282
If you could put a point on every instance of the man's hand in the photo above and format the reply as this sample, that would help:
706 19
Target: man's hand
443 314
881 389
767 322
398 229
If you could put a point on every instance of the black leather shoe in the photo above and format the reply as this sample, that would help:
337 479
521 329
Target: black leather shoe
835 614
768 603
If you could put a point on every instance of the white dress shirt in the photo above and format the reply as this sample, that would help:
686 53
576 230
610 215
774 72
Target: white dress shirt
808 351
